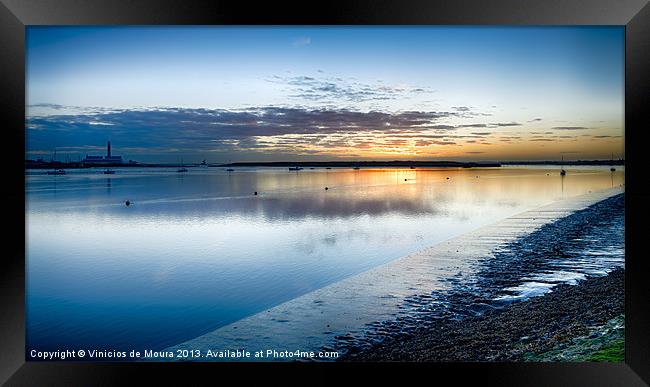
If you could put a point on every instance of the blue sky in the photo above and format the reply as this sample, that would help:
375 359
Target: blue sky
322 93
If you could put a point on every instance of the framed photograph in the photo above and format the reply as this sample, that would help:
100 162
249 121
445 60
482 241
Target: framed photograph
213 187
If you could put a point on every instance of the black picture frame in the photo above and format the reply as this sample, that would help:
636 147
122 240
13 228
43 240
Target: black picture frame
15 15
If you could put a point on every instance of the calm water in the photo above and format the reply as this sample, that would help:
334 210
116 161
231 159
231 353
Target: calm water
197 250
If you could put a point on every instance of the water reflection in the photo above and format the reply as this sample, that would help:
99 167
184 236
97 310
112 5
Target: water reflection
197 251
289 206
296 195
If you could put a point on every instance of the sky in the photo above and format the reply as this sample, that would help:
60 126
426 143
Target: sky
235 94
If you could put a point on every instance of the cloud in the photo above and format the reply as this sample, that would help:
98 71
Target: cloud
506 124
301 41
535 120
270 129
336 89
270 132
421 143
419 135
473 126
489 125
569 127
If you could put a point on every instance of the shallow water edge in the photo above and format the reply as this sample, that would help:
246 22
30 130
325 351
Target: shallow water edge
345 311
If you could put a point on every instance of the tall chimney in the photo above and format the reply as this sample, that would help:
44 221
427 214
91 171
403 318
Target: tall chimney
109 149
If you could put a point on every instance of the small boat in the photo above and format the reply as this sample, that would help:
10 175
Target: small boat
612 169
55 171
328 168
412 167
295 168
109 172
230 170
562 171
356 168
182 168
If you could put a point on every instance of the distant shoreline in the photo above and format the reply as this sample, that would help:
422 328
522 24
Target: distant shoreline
31 164
575 162
365 164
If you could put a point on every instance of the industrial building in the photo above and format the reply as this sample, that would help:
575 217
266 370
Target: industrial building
103 160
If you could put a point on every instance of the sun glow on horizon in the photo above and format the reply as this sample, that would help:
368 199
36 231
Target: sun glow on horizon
384 93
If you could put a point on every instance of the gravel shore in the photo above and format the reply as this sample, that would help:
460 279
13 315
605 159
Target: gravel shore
535 326
570 323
